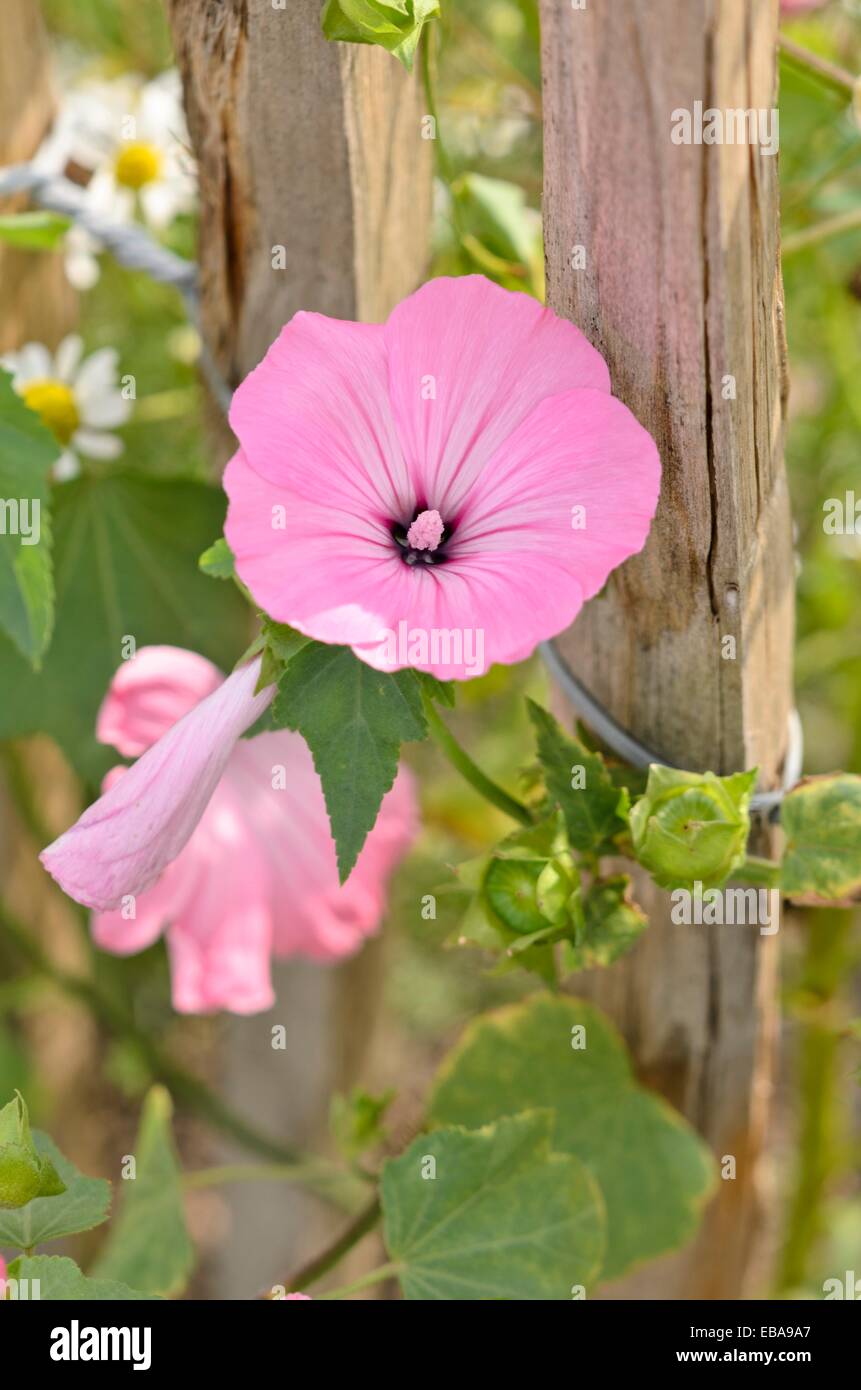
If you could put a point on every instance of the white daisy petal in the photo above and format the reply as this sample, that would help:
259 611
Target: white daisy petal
105 412
160 203
68 356
96 376
82 269
96 445
66 467
34 363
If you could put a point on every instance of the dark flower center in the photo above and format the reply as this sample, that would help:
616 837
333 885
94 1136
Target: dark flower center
423 541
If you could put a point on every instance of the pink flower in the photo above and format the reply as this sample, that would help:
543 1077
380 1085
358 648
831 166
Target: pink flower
461 469
2 1273
306 1297
225 843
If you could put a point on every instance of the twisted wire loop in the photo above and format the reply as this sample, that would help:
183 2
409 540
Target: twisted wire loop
630 750
133 247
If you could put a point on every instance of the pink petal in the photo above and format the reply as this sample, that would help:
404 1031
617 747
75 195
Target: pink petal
220 944
149 693
322 572
124 841
313 915
314 416
490 356
581 450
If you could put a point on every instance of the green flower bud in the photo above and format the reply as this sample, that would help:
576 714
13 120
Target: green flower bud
530 879
692 827
24 1172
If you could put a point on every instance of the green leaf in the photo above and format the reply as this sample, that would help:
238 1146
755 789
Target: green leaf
84 1203
395 25
34 231
821 819
218 560
497 214
25 1174
612 923
655 1173
354 720
443 692
148 1245
594 811
126 553
501 1217
27 452
61 1281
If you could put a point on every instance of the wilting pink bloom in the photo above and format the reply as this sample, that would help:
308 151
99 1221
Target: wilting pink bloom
461 469
224 843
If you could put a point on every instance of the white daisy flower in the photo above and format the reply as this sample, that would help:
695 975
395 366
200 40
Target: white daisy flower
126 143
80 401
149 166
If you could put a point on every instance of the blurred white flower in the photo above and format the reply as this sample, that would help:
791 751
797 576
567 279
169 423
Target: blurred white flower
79 399
126 143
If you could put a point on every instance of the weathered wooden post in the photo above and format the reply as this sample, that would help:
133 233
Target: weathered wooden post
315 194
667 256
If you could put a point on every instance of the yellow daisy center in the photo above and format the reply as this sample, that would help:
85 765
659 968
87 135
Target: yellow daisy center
54 402
138 163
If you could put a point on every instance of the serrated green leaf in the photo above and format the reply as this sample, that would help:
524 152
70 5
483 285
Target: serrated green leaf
149 1245
502 1216
34 231
655 1173
27 452
595 811
354 720
84 1203
218 560
821 819
61 1281
612 923
125 551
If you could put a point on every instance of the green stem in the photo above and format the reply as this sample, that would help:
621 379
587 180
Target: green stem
460 759
344 1189
321 1264
445 165
376 1276
757 870
833 76
185 1087
821 231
